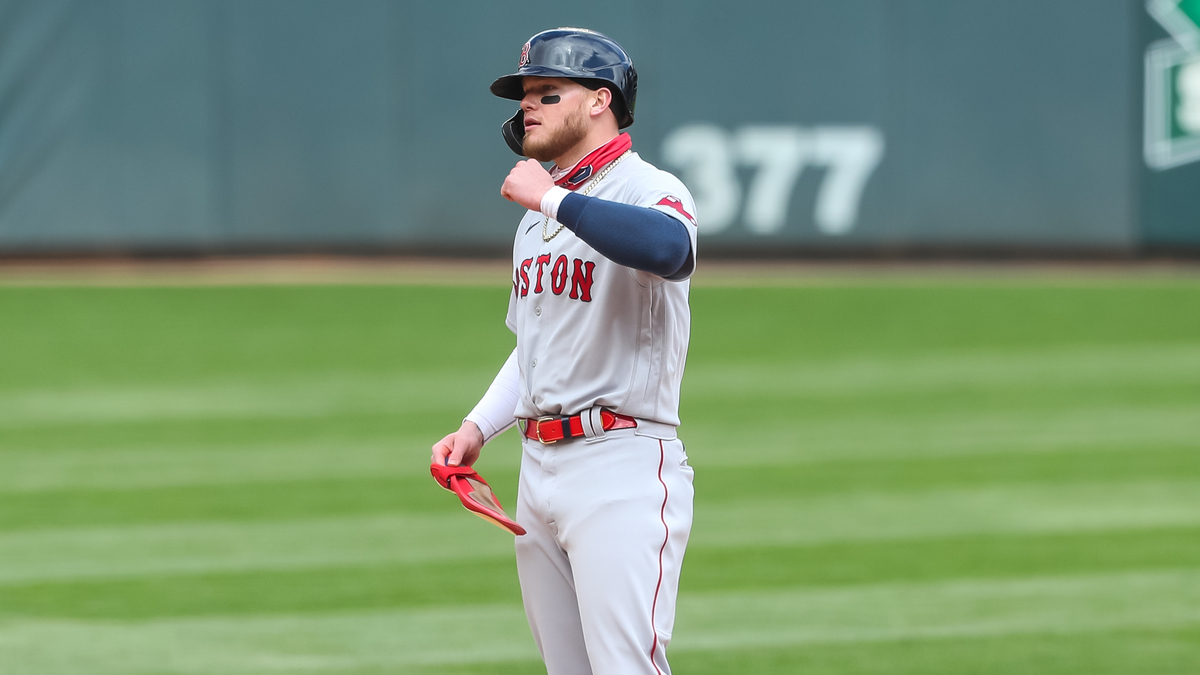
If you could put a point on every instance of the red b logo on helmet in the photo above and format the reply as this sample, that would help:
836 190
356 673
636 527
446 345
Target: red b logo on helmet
524 56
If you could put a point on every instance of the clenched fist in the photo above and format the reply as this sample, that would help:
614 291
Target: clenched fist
526 184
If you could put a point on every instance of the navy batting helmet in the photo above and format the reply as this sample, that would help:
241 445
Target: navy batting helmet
585 56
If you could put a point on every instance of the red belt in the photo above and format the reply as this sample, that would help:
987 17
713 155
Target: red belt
553 429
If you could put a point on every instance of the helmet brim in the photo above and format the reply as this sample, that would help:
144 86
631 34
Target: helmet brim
511 87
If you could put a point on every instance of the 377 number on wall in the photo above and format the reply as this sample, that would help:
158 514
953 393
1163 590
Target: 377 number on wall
709 156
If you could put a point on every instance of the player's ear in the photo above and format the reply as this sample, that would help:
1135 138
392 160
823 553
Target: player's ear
602 100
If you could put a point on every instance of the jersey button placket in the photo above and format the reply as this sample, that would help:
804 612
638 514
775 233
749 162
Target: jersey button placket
537 310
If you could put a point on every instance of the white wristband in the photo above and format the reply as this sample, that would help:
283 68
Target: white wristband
552 200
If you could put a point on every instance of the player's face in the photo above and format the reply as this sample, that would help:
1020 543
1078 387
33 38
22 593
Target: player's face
556 117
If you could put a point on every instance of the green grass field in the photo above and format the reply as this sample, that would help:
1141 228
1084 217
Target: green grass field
945 477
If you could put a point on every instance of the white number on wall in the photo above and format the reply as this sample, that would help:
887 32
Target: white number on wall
1188 86
780 154
709 156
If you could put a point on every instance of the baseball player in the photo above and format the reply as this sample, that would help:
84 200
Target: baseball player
599 306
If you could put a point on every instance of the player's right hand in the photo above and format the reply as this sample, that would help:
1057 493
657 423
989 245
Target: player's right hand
460 448
526 184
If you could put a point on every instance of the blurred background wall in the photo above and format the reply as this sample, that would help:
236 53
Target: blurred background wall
801 126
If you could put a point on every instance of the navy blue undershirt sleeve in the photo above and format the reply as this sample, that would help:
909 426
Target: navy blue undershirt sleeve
633 236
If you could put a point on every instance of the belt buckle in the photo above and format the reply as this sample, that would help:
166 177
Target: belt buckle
537 429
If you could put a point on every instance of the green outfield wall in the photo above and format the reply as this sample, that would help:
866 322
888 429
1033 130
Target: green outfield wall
803 126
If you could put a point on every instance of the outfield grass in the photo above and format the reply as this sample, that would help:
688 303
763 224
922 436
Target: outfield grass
942 477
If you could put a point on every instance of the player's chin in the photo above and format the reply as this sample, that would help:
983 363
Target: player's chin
532 136
537 148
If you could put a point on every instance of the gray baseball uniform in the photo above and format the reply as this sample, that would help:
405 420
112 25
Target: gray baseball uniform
608 514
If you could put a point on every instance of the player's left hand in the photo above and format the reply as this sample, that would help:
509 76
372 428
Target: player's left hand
526 184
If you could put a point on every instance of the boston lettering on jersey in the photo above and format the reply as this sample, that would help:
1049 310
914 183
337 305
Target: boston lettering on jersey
532 272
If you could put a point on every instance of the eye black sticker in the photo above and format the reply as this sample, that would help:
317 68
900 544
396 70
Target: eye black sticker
551 100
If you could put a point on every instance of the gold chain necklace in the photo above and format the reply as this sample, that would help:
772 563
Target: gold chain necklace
586 189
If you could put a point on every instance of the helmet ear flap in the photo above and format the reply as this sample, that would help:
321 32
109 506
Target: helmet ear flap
514 132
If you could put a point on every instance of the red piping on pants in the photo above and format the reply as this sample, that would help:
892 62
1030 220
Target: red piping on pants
662 514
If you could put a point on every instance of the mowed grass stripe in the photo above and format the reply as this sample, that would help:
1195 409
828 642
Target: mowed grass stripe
277 500
957 371
292 397
776 325
493 579
775 437
295 643
1066 604
327 393
220 546
144 339
344 428
282 499
165 455
764 567
706 622
170 465
917 474
1119 652
771 437
871 516
858 516
480 580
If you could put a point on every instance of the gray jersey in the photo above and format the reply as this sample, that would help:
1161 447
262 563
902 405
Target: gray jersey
592 332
